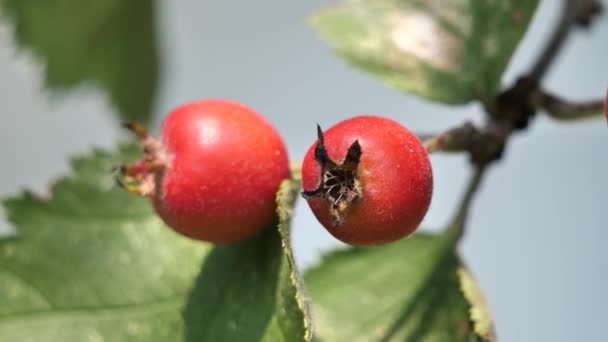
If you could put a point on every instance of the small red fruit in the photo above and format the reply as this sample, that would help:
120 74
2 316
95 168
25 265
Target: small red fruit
215 173
368 180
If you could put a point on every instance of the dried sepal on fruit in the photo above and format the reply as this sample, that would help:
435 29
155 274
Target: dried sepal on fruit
339 184
368 180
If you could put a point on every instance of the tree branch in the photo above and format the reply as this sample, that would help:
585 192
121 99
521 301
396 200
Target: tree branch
511 109
574 12
554 44
484 145
563 109
457 139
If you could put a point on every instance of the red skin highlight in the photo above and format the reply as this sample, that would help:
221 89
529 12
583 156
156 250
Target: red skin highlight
225 164
395 175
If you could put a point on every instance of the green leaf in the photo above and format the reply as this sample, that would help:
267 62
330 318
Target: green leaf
450 51
93 263
111 43
251 291
412 290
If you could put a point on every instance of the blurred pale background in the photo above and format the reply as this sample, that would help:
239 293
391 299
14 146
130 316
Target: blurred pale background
537 233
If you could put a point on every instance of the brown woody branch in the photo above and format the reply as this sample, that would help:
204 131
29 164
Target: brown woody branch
512 109
574 12
456 139
483 144
563 109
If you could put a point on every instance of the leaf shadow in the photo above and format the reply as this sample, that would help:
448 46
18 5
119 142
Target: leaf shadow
233 298
425 300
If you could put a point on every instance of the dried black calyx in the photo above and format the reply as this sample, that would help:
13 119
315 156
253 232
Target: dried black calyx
141 177
339 185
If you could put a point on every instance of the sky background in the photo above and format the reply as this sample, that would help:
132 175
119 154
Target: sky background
537 234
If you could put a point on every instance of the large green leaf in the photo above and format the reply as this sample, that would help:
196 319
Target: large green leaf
450 51
111 43
251 291
93 263
412 290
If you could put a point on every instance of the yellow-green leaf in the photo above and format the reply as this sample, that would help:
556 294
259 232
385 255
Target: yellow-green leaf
410 290
451 51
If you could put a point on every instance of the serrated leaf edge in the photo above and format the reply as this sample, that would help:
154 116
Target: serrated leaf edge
286 197
479 311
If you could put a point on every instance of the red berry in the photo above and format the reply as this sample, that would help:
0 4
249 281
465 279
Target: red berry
368 180
215 173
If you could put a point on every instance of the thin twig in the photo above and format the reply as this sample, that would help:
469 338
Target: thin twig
554 44
459 221
457 139
426 136
574 12
512 109
563 109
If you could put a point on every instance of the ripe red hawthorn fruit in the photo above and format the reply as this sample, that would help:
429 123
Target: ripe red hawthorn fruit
368 180
215 172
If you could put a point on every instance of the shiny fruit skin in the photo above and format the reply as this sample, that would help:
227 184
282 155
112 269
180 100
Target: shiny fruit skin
225 164
395 176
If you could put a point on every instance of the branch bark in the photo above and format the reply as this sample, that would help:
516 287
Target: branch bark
512 109
484 145
457 139
574 12
563 109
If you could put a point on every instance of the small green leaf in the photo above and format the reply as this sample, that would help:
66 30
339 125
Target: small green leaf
251 291
411 290
92 263
450 51
111 43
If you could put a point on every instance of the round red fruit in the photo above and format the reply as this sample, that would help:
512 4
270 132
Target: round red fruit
368 180
215 172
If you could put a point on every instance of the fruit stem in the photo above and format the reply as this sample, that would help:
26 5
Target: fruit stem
458 224
460 138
